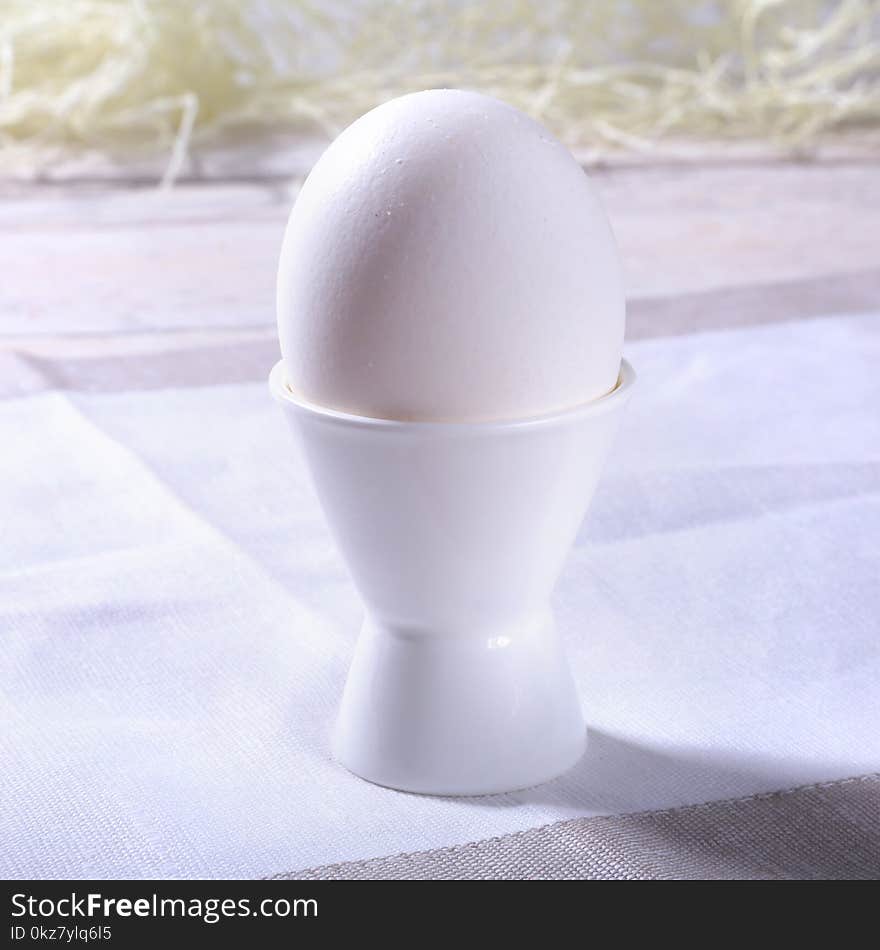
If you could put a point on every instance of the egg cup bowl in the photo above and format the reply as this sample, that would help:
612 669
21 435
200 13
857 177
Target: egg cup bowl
454 535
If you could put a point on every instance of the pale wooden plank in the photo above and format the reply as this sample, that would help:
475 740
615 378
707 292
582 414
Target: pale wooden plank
115 363
258 154
86 260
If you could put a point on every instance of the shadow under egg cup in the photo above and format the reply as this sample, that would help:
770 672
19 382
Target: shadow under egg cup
455 535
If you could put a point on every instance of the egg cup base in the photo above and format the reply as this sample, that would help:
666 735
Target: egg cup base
444 714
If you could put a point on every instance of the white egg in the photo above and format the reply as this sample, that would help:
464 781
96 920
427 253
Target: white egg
448 260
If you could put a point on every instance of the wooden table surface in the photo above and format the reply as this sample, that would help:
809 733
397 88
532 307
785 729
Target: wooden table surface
112 285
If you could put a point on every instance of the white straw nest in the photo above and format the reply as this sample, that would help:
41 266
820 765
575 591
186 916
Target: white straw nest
126 77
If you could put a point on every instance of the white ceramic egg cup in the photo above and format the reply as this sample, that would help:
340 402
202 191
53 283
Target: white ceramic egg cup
455 534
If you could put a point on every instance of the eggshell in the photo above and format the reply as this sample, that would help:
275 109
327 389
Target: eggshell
448 260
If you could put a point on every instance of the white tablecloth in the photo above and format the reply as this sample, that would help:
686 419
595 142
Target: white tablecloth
176 624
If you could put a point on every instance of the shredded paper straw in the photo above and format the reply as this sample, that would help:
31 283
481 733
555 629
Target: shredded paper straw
162 77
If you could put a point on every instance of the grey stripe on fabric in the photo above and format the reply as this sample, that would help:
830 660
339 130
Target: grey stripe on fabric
734 308
826 831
